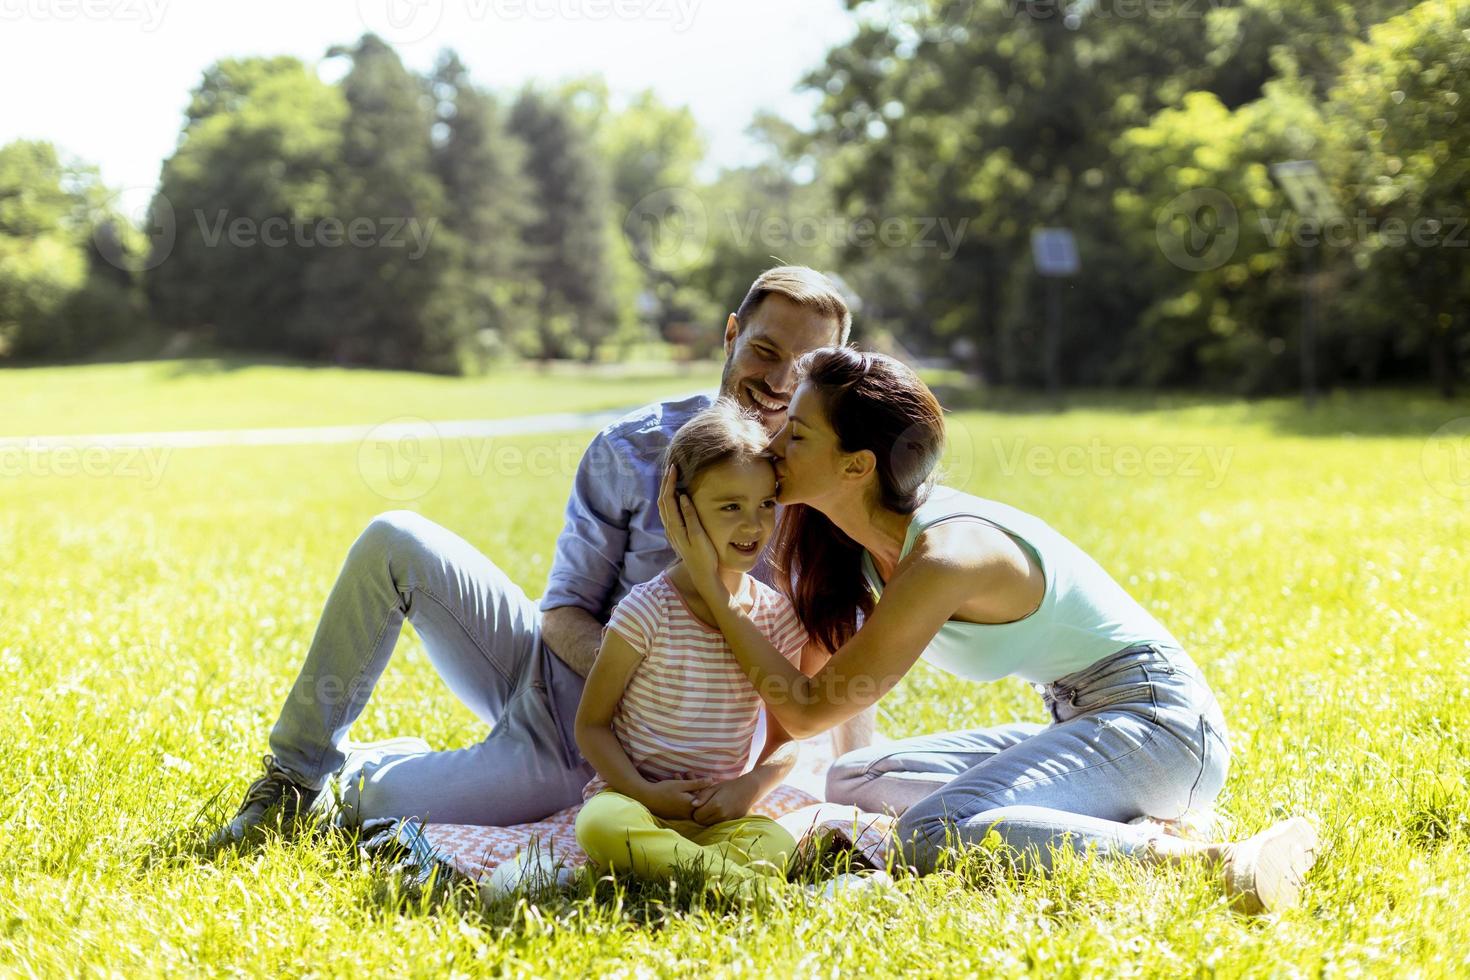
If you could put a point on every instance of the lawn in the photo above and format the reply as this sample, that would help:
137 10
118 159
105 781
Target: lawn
1315 564
238 392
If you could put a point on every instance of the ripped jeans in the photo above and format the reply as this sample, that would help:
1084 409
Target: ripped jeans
1137 734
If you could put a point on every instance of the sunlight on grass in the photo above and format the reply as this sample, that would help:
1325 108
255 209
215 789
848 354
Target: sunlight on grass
151 628
235 393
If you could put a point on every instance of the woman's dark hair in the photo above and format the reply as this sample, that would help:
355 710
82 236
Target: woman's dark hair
872 402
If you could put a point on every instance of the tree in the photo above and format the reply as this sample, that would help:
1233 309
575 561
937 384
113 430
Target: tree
1008 116
374 301
60 296
1404 96
256 161
566 244
488 205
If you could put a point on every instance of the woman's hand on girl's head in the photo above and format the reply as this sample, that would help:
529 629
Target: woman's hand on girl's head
688 539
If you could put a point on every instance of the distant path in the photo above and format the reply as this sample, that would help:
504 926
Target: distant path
403 425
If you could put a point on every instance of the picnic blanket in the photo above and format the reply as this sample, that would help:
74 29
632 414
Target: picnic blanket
476 851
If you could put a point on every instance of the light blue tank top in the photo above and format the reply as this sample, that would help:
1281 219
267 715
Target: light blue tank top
1084 615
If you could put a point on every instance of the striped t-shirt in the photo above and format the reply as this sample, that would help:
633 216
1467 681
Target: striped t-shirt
688 711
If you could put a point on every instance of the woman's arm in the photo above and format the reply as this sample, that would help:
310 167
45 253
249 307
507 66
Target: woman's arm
948 565
777 758
606 683
856 732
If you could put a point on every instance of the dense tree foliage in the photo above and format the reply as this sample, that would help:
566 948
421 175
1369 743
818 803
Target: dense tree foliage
423 222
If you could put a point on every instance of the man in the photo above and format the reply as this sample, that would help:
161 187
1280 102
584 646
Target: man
517 666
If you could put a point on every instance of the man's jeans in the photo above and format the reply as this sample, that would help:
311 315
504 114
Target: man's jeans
1136 734
483 636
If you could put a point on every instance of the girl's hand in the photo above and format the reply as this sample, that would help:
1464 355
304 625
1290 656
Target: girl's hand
729 800
690 542
673 799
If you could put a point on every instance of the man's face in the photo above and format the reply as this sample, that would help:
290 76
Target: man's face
760 361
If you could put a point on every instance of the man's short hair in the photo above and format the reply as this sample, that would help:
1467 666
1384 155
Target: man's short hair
806 287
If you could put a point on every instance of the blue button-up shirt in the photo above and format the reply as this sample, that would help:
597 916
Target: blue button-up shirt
614 539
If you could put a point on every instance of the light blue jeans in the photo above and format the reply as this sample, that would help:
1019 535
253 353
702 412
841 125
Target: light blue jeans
483 636
1137 734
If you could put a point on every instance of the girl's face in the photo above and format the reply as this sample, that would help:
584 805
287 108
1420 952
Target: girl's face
736 503
808 457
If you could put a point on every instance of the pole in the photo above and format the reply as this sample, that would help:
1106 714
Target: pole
1309 328
1053 332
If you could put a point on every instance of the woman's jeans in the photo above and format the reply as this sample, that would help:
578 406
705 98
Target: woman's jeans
1137 734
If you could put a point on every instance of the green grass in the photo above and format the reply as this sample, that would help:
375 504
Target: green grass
234 393
151 627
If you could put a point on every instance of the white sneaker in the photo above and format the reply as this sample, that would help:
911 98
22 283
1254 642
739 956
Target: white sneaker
1265 873
531 870
850 883
359 754
402 745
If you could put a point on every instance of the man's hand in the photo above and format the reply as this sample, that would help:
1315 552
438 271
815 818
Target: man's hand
574 635
729 800
673 799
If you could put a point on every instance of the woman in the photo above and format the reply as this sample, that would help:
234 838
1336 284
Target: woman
983 591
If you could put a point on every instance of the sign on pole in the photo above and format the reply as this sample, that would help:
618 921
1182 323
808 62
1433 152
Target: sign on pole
1054 250
1307 191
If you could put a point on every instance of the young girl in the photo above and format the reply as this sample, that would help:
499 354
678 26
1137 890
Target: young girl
667 717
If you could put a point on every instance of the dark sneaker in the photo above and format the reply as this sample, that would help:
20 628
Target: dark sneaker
273 802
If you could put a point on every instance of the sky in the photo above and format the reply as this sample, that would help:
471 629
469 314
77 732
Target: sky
108 80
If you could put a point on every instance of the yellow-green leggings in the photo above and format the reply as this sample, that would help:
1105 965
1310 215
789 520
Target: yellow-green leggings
620 833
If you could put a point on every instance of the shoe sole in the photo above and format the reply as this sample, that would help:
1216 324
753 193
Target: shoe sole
403 744
1267 871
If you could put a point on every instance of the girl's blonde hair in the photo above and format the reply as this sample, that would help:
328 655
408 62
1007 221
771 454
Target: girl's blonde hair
719 434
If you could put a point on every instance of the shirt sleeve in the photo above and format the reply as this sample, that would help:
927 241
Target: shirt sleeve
787 633
635 619
590 549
